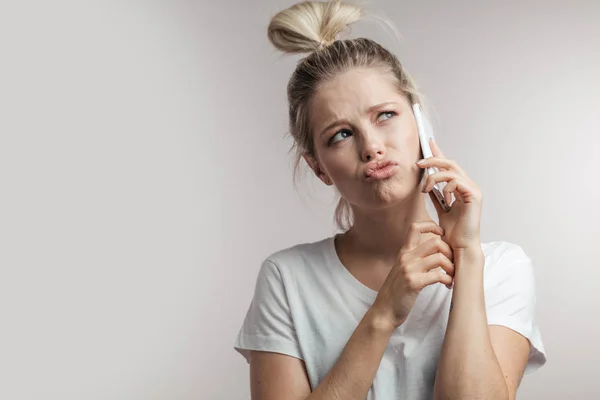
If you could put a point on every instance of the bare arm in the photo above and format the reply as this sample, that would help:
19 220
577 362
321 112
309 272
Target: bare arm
277 376
477 361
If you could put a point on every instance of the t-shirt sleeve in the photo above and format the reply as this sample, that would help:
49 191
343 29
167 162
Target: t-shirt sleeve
268 325
511 300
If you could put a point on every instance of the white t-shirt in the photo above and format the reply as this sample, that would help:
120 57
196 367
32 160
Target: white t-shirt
307 305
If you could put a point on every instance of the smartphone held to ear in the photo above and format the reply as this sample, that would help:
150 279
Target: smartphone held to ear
425 133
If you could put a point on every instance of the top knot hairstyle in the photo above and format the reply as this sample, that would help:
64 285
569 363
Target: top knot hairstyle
313 27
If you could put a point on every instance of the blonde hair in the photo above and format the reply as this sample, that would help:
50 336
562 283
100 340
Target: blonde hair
313 27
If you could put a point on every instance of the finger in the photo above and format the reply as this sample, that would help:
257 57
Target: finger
448 190
436 276
433 246
441 163
435 149
438 207
434 261
415 230
441 176
465 191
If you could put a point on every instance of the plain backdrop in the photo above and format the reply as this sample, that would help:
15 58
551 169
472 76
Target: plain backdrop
145 175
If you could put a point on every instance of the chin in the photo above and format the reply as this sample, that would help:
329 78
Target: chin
387 192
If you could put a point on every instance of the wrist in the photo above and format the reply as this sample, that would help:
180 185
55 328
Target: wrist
380 321
469 258
471 251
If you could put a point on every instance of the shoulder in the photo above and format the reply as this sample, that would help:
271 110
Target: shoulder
508 267
501 252
501 255
300 262
298 259
510 295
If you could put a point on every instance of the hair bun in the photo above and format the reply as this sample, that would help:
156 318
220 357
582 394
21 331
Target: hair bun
308 25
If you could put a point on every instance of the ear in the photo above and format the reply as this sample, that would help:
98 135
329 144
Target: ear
314 165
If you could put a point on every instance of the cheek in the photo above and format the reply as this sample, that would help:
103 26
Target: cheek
409 146
340 170
405 148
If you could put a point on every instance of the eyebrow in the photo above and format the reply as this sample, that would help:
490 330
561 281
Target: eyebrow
345 121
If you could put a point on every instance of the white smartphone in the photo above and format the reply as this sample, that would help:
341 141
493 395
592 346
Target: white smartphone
425 132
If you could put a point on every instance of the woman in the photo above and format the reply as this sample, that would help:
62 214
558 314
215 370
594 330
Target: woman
362 314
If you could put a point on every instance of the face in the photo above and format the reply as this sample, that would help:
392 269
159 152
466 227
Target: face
360 122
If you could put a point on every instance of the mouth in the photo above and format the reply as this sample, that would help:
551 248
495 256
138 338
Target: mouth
380 170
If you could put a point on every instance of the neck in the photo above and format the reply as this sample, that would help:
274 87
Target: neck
382 233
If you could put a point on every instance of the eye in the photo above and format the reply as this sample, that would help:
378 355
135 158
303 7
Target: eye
341 135
388 114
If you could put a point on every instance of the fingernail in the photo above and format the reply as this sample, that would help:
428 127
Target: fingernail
421 161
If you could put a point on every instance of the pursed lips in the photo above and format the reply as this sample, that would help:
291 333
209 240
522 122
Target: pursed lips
376 170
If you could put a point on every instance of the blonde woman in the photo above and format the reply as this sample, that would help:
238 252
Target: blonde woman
396 306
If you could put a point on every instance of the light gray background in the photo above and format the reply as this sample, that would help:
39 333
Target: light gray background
145 175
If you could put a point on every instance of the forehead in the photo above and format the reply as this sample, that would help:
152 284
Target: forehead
352 93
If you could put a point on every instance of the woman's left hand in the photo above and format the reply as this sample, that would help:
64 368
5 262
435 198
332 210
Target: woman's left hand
461 223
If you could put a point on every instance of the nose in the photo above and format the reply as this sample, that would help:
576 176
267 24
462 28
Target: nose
373 148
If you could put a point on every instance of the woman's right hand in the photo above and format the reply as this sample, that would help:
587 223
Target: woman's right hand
416 267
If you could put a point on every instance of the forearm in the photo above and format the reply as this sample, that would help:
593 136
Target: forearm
353 373
468 367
